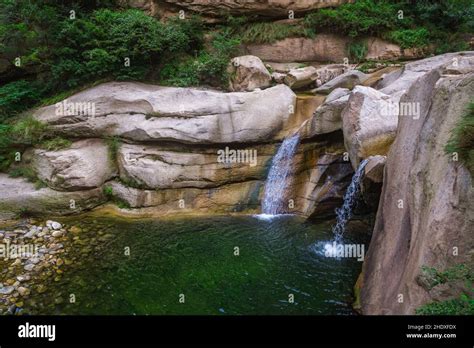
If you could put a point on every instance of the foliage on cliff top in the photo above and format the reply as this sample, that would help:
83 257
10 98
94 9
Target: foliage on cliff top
63 53
409 23
462 139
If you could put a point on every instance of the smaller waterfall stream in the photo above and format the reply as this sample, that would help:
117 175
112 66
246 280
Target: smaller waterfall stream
273 197
344 213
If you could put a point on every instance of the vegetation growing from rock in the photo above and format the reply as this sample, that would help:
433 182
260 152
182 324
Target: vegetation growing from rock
462 140
461 305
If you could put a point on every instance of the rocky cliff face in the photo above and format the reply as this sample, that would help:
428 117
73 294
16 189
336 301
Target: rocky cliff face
425 215
211 8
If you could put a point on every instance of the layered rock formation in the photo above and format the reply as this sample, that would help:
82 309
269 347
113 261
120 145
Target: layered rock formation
425 215
210 8
160 150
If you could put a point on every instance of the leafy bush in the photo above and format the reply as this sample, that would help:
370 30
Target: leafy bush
357 51
68 53
408 38
29 131
209 67
363 17
17 96
464 305
462 139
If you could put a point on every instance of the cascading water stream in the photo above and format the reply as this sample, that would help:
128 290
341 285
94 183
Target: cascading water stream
344 213
273 197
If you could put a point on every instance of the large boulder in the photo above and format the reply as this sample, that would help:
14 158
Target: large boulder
327 118
234 197
298 78
142 112
368 123
153 168
247 73
320 176
82 166
20 197
349 80
301 77
425 214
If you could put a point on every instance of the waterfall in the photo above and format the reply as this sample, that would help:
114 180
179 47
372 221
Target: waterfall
273 197
344 213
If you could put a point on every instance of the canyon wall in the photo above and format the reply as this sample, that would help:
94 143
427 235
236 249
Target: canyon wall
425 215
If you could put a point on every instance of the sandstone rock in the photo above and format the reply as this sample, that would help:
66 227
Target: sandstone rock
270 8
152 168
248 73
84 165
278 77
19 195
436 192
141 112
379 49
374 168
368 124
322 48
306 76
234 197
371 185
319 179
301 77
327 117
347 80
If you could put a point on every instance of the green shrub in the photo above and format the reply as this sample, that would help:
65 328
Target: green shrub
56 144
108 192
457 272
462 139
269 32
29 131
363 17
209 67
25 172
17 96
357 51
464 305
408 38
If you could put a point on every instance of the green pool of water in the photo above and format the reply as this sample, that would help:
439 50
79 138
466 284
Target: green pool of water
196 257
